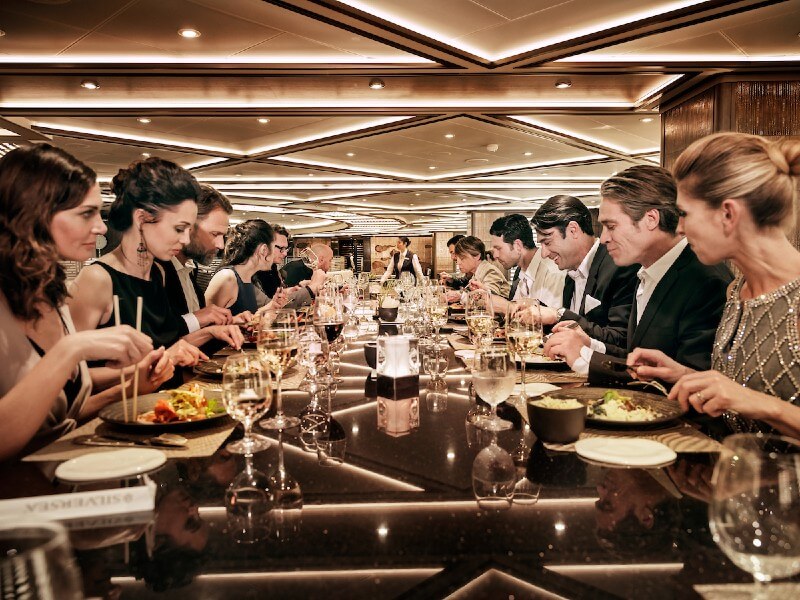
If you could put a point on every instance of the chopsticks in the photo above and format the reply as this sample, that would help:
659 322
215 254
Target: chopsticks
121 371
117 322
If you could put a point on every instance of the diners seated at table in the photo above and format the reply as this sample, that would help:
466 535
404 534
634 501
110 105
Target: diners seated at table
49 211
206 240
296 271
248 249
736 196
535 276
678 301
597 293
458 279
154 210
471 259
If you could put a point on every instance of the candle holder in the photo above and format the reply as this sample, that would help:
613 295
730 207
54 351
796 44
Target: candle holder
397 385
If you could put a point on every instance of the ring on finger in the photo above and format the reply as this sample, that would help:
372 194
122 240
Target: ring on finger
699 396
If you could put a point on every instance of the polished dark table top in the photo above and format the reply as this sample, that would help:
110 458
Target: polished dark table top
399 519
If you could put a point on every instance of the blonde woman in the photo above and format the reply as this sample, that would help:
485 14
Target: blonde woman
737 194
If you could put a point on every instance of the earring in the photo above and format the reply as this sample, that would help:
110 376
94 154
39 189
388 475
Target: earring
141 250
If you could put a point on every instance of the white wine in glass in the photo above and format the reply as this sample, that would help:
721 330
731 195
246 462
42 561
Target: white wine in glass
494 377
247 395
524 332
278 339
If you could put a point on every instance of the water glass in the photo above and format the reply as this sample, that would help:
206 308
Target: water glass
247 395
494 377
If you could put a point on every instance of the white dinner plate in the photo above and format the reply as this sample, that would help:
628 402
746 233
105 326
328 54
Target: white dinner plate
628 452
114 464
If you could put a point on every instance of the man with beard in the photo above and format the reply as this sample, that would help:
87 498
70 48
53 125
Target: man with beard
207 239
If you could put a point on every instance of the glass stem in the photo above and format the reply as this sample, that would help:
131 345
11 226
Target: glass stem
281 468
278 398
523 395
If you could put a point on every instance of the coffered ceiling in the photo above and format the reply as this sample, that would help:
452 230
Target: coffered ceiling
485 104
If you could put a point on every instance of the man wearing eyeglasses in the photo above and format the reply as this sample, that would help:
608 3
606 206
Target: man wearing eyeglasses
303 291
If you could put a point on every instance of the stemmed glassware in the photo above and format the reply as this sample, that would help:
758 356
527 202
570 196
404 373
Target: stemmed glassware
523 332
277 346
755 506
479 315
329 322
247 395
248 501
493 376
436 307
493 477
285 488
309 258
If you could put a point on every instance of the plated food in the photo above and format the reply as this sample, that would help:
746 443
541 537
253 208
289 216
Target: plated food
169 410
557 403
616 406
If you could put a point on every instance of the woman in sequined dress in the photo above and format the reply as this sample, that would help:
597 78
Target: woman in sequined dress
737 195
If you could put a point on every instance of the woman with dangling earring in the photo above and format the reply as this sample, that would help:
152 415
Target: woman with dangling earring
154 210
248 250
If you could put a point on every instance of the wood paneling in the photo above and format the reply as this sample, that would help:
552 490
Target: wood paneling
770 108
686 123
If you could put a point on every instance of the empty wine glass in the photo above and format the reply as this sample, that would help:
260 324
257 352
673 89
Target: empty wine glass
523 332
247 395
493 477
755 505
284 488
494 376
36 560
434 361
479 315
248 501
309 258
277 346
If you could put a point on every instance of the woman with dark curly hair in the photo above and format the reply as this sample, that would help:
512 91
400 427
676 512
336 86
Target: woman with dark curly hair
50 211
248 250
155 208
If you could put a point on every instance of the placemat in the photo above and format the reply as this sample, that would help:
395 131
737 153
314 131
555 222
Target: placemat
202 442
291 380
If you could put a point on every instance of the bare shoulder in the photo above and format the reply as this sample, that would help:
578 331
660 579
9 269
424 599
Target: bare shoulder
223 277
93 280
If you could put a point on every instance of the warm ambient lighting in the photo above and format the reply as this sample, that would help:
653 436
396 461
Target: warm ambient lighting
449 136
564 84
351 154
527 154
376 83
189 33
646 119
144 120
145 154
263 120
90 84
432 168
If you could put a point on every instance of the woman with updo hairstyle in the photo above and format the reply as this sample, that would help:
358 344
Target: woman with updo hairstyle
471 260
50 211
248 250
154 210
737 196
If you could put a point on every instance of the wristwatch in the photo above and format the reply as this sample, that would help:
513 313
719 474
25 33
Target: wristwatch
560 313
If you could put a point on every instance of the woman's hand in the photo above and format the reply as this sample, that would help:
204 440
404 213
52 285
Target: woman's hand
651 364
118 346
184 354
155 370
243 318
231 334
712 393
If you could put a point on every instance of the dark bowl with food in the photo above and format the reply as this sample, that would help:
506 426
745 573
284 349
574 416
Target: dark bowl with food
556 420
388 314
371 354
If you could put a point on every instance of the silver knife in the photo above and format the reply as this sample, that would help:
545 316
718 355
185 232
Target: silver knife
96 440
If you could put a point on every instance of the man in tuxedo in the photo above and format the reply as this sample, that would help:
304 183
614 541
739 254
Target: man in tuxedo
597 293
180 274
678 301
535 276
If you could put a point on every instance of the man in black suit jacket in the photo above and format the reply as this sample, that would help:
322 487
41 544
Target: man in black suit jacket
296 271
597 293
678 301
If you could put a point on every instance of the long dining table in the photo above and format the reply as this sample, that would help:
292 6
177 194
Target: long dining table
398 519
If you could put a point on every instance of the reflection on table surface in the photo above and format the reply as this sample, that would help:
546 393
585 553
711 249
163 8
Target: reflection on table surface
399 519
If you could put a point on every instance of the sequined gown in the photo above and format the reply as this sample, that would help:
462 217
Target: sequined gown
757 345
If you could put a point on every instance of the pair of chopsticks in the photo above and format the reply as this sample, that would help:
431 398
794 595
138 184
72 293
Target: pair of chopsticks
135 367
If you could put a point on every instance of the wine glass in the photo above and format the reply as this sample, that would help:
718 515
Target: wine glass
329 322
494 377
248 501
247 395
434 361
277 346
755 505
523 332
309 258
493 477
284 488
436 306
37 561
479 315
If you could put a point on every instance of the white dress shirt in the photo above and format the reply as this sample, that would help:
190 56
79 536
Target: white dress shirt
414 263
649 278
184 272
580 277
542 280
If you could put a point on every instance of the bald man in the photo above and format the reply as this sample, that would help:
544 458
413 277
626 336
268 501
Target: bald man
296 271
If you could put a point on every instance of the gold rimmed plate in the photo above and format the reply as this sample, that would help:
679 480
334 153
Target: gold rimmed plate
668 410
114 414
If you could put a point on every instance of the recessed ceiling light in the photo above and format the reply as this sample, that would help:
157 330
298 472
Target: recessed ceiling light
310 174
143 120
449 136
146 154
564 84
411 204
189 33
351 154
263 120
376 83
646 119
527 153
432 168
237 174
90 84
416 194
